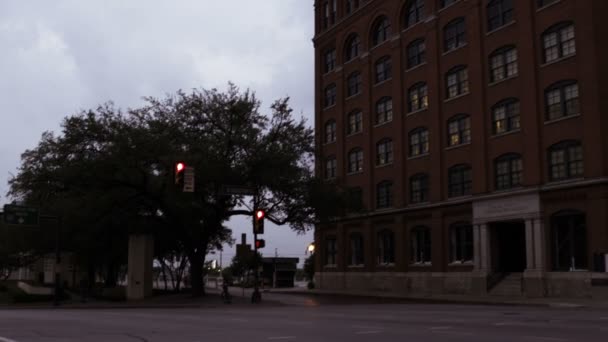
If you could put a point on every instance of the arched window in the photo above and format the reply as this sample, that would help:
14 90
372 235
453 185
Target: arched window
503 63
329 58
569 241
460 181
355 122
384 152
419 141
384 195
418 97
562 100
330 96
500 13
459 130
419 188
454 34
384 110
421 245
330 131
353 84
508 171
505 116
355 160
461 243
356 256
353 46
383 69
414 12
457 81
559 41
416 53
386 247
380 30
566 160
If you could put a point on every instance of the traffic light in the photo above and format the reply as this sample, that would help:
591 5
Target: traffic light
179 173
260 243
258 221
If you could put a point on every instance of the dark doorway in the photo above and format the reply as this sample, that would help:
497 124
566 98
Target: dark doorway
509 247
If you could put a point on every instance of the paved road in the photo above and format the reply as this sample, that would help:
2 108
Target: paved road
306 319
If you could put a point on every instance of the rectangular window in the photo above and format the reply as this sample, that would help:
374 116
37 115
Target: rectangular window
461 244
356 250
386 248
331 251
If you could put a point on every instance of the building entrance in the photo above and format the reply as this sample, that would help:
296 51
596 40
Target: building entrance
509 247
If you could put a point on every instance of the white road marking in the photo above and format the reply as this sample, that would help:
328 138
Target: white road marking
4 339
282 338
369 332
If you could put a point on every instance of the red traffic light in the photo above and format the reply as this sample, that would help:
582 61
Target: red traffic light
259 214
260 243
180 166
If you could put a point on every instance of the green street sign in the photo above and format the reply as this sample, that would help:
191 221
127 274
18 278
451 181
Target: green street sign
20 215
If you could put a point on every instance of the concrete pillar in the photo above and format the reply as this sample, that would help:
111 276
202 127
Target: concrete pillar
540 246
530 251
486 262
534 276
477 247
141 255
481 245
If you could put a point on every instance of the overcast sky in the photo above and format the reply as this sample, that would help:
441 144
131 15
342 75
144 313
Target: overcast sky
62 56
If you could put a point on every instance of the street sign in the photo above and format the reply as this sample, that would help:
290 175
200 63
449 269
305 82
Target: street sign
189 179
21 215
238 190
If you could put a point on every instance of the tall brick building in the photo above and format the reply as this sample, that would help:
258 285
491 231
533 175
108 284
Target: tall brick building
476 134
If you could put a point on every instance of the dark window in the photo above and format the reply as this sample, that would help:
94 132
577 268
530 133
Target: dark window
330 131
419 142
384 152
562 100
503 64
354 84
416 53
331 251
461 243
355 160
330 60
383 69
355 122
419 188
500 13
559 41
418 98
330 96
421 245
353 44
508 171
384 110
454 34
459 181
566 161
543 3
384 195
351 5
459 130
356 250
326 13
355 199
381 31
505 116
569 241
445 3
386 247
333 11
414 12
457 81
331 165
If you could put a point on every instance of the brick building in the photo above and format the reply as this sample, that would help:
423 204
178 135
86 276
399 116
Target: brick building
473 132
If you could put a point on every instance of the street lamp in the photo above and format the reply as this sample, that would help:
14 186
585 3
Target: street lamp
311 248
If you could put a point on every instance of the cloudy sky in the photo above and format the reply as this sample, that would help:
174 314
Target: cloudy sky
61 56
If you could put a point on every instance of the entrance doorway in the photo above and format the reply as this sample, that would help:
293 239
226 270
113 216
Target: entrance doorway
509 247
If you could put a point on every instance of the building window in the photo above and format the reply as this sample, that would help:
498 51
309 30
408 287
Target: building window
355 160
353 44
460 181
384 110
503 64
559 42
508 171
419 142
457 81
461 243
416 53
384 195
569 241
356 257
381 31
419 188
331 165
351 5
333 12
505 116
355 199
384 152
418 98
355 122
566 161
330 96
543 3
330 131
562 100
421 245
454 35
386 247
414 12
500 13
326 13
331 251
383 69
459 130
354 84
445 3
330 60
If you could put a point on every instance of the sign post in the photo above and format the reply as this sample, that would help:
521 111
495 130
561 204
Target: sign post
19 215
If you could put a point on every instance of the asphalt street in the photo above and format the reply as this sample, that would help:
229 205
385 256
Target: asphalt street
301 318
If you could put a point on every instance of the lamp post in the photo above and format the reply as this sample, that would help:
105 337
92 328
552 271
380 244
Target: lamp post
311 248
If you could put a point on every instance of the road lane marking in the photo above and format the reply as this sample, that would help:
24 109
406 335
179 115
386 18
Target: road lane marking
282 338
369 332
4 339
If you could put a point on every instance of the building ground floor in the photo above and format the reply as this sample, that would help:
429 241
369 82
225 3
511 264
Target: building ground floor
531 242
